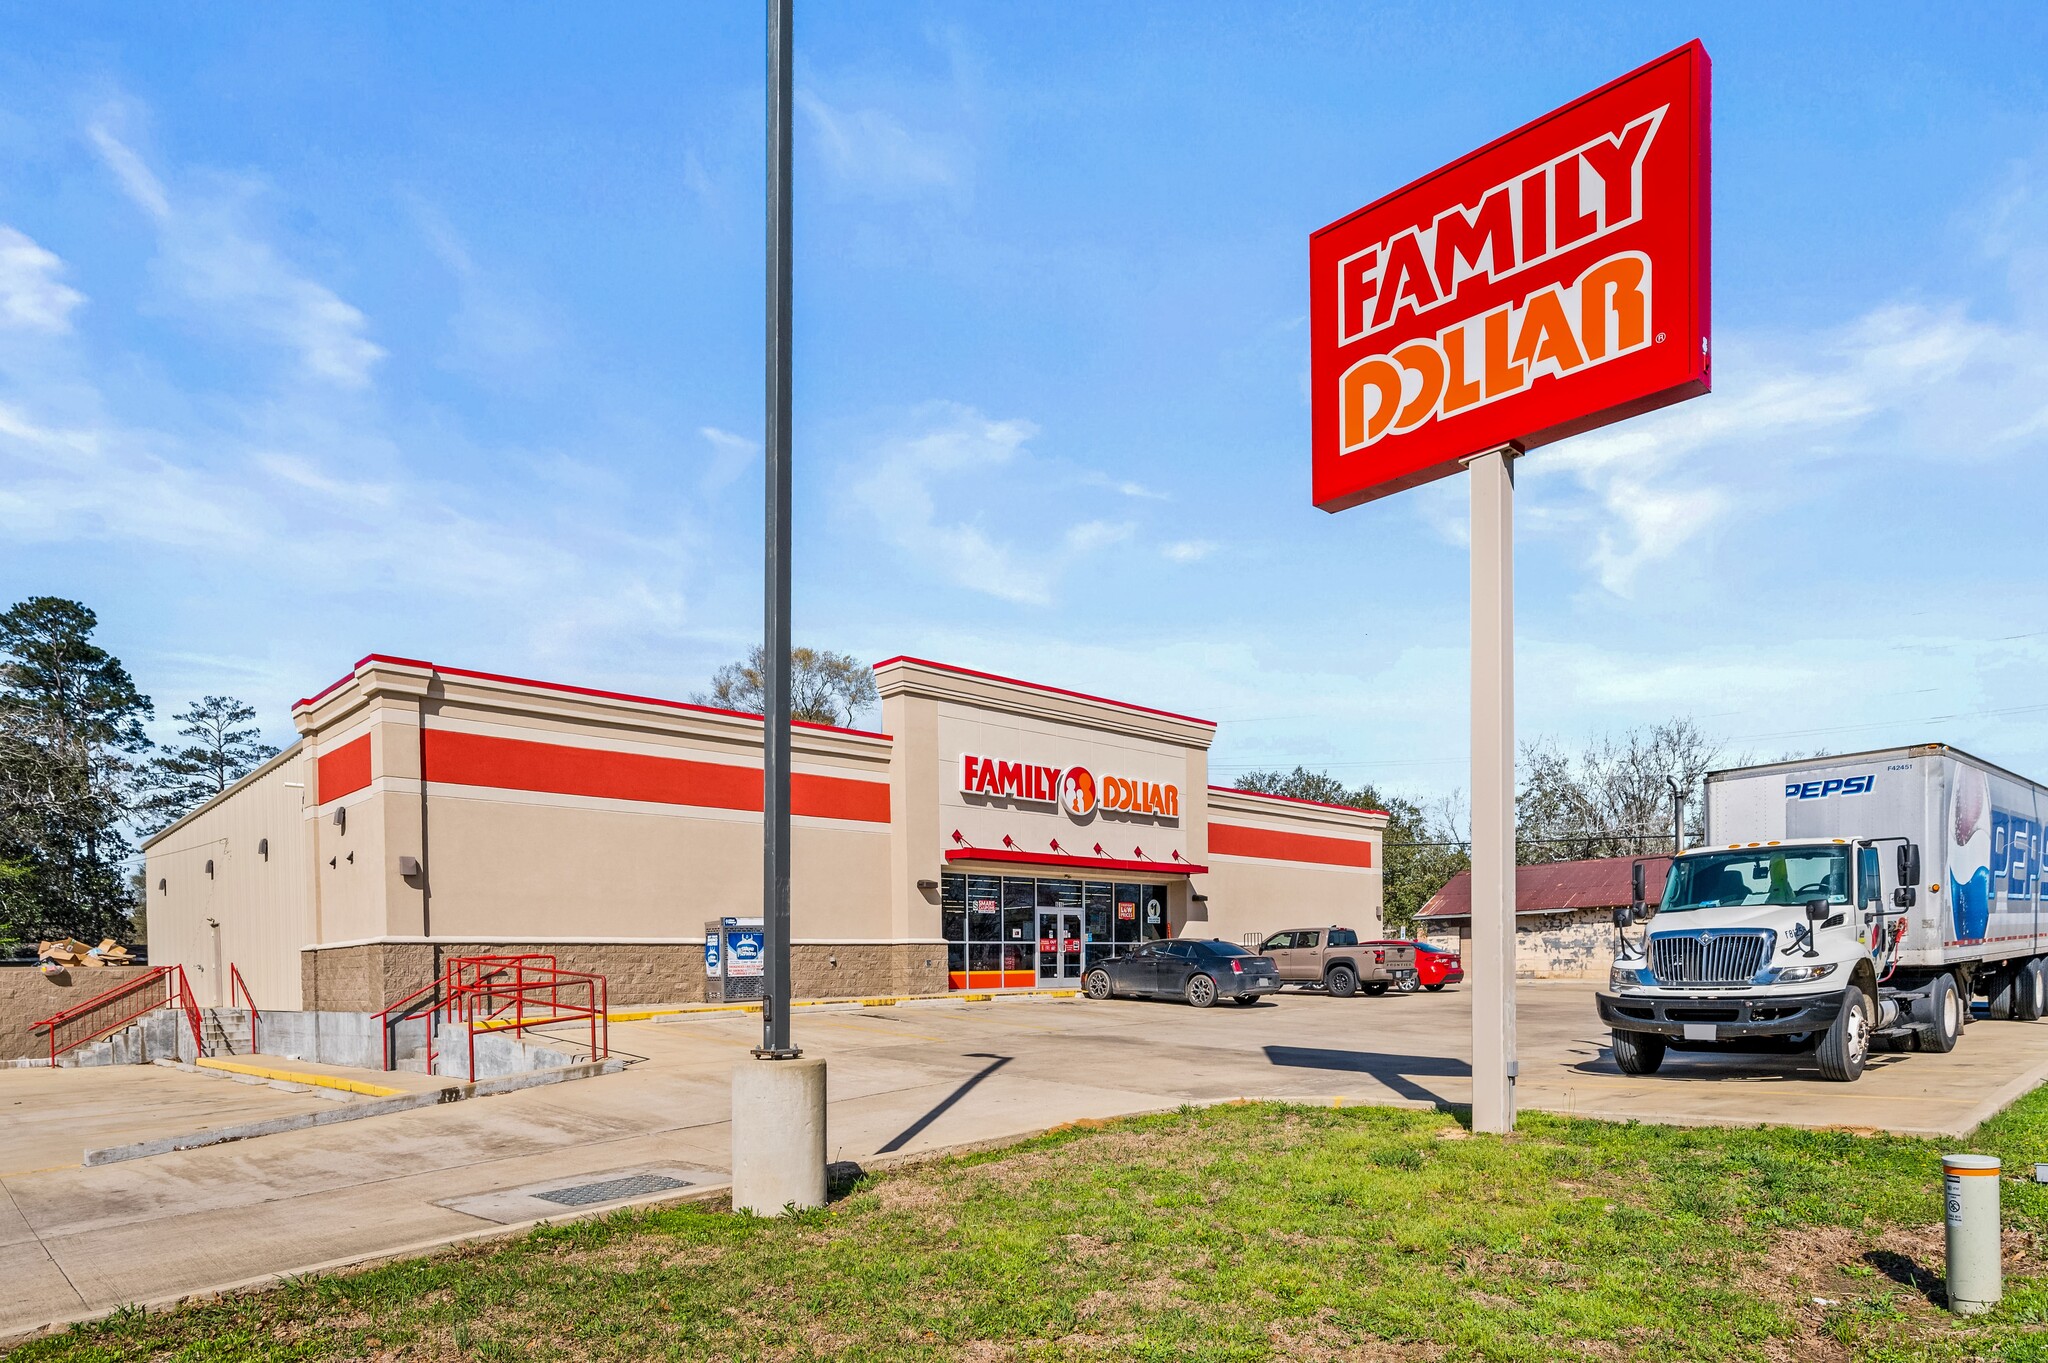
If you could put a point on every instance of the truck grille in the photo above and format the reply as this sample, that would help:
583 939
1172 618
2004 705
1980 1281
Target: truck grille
1732 957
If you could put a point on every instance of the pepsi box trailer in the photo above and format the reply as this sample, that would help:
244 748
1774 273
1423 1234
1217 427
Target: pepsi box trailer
1978 829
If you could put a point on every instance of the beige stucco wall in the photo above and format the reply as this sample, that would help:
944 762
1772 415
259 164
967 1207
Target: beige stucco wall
1250 896
520 867
258 901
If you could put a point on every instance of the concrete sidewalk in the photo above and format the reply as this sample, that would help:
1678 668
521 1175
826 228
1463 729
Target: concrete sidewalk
909 1078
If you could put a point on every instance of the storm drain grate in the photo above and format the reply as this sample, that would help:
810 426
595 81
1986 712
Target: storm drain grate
583 1194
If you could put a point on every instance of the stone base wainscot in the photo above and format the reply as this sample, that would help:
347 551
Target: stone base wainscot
371 977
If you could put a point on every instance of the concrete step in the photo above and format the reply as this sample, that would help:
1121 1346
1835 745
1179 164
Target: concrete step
413 1064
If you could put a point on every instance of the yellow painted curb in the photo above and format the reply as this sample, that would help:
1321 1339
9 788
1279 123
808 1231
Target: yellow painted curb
881 1001
323 1081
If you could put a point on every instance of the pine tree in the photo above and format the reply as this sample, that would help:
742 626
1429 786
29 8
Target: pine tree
179 780
70 729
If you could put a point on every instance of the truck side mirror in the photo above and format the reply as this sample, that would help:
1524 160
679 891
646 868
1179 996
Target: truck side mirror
1624 916
1909 865
1905 897
1636 891
1816 910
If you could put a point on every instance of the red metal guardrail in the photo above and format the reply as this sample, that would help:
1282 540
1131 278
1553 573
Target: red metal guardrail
160 986
238 989
501 993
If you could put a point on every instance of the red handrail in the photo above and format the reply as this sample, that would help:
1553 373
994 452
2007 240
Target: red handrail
162 986
237 987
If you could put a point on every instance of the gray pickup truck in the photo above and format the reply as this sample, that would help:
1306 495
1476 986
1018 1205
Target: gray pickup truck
1331 958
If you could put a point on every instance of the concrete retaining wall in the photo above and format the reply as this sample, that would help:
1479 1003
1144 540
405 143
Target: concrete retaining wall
329 1038
497 1054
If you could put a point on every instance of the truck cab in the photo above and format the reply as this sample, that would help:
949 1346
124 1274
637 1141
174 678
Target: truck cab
1790 944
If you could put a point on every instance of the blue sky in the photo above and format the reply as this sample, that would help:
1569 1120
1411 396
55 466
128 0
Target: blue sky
436 330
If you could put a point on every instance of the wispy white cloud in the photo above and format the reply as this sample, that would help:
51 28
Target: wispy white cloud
215 264
1089 536
32 296
872 151
1188 551
493 336
730 456
946 440
1125 486
1905 380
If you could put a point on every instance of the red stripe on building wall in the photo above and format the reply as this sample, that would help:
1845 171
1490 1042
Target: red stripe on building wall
464 759
343 771
1236 840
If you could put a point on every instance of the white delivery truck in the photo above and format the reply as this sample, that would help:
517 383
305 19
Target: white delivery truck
1839 902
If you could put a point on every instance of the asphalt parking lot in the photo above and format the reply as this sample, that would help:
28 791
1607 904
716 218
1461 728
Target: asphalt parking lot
903 1079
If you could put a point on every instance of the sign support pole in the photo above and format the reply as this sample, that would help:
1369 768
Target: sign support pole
775 1042
1493 790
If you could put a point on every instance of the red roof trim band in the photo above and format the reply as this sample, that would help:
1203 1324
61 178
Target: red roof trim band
1041 686
1297 800
1007 858
578 691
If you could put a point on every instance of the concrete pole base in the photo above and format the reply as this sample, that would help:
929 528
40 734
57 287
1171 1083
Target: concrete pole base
778 1136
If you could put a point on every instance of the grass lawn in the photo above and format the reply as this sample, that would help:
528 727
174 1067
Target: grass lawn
1245 1232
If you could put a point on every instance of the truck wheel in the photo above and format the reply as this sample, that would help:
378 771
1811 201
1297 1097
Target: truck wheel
1638 1052
2031 1000
1201 991
1342 981
1845 1046
1945 1004
1097 985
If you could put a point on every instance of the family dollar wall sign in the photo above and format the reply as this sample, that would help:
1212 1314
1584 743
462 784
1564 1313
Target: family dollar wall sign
1553 281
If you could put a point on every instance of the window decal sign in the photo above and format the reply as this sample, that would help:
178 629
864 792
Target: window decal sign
1549 283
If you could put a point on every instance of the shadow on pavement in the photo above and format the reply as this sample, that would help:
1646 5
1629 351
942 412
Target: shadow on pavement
1397 1072
910 1133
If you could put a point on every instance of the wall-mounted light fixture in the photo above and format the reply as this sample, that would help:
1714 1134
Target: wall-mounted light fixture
163 886
341 818
351 858
332 862
209 868
408 866
927 884
263 848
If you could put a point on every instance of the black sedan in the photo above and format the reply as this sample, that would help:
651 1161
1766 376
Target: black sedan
1199 971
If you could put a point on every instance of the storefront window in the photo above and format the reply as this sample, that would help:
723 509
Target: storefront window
1152 918
1098 903
991 922
953 908
1129 913
984 908
1020 911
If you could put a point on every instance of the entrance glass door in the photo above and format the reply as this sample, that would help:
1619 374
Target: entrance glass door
1059 946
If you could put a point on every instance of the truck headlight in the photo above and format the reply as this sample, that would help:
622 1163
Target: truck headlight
1623 977
1800 974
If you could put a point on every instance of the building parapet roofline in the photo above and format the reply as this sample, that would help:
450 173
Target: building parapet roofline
1060 691
566 688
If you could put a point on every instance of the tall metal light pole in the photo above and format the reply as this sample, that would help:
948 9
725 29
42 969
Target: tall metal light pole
775 1044
778 1098
1677 815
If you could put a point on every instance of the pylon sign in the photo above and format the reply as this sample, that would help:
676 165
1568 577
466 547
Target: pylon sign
1549 283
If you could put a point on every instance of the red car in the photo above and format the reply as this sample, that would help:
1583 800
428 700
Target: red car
1434 966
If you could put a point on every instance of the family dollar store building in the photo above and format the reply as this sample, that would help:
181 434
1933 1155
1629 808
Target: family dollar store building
997 834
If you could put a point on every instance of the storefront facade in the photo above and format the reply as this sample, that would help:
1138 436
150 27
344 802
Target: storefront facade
995 833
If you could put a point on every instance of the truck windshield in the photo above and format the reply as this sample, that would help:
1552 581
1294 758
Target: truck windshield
1771 875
